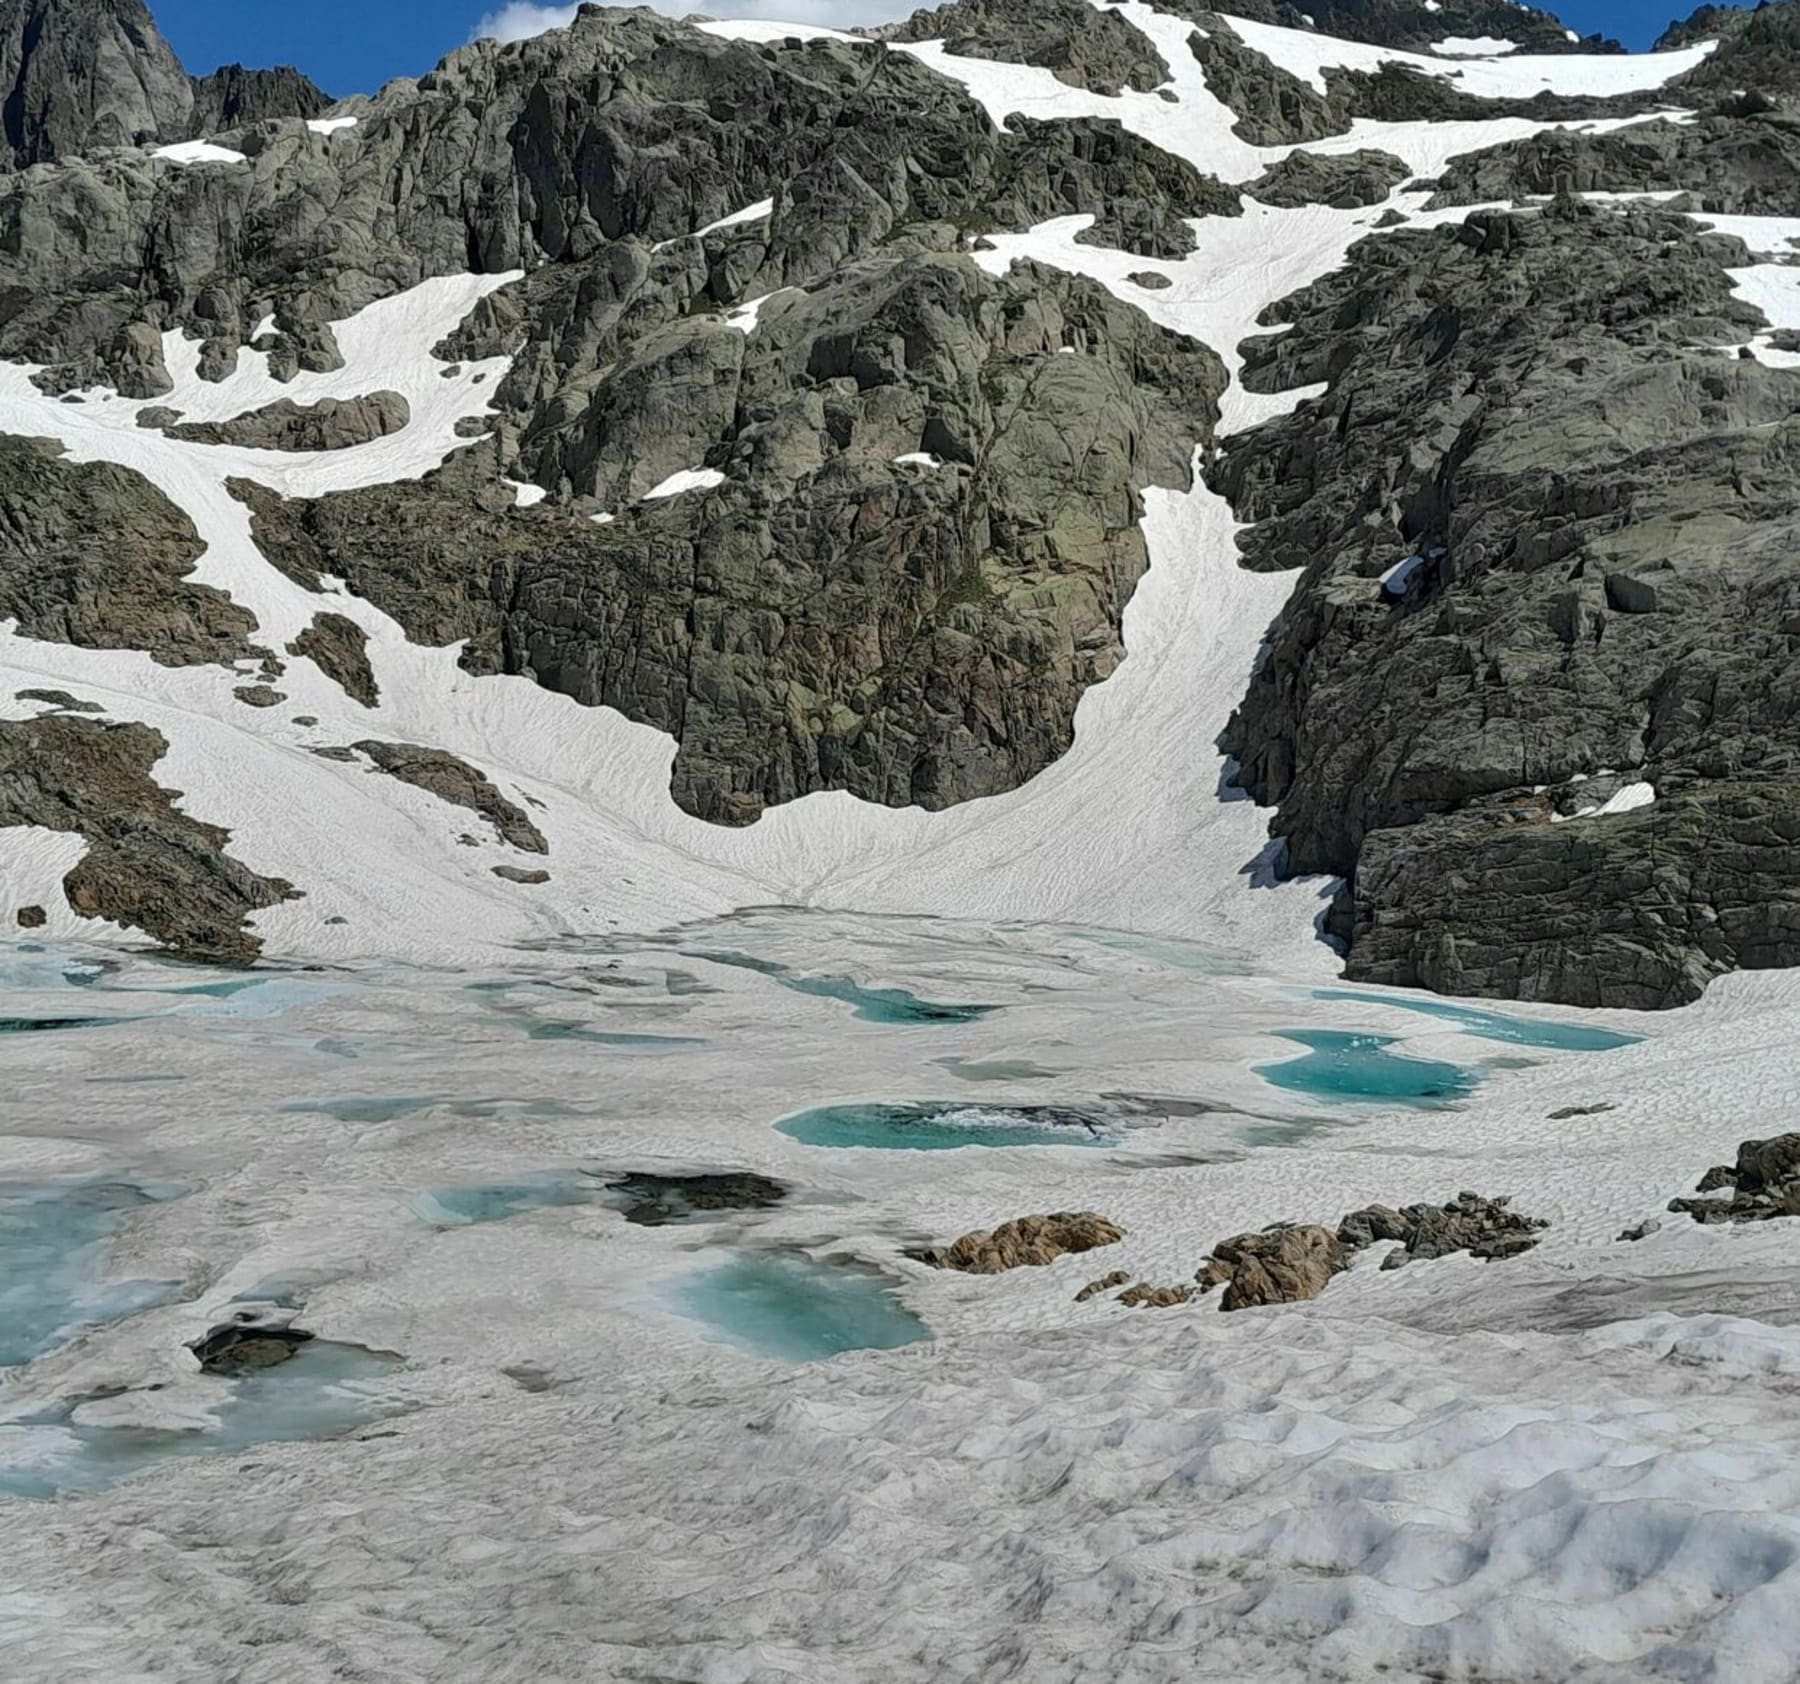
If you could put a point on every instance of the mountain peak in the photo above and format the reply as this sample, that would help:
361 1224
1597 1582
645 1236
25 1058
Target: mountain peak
80 74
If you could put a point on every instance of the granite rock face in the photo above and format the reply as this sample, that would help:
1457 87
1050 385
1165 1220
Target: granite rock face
81 76
78 75
1740 157
596 151
1522 413
1638 909
1758 51
824 616
233 97
1275 107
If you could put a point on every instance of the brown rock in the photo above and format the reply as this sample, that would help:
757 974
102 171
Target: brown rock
1145 1296
1105 1283
1027 1241
1281 1265
32 917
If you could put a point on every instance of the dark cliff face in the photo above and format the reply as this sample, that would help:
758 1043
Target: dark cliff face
76 75
1547 529
233 96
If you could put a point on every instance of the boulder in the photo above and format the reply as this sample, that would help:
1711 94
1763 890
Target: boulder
1281 1265
1025 1242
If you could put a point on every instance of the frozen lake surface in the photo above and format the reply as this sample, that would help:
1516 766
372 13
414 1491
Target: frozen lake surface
606 1253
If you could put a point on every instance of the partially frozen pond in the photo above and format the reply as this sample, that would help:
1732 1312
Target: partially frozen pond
1491 1025
325 1389
1344 1065
794 1309
53 1243
932 1125
872 1004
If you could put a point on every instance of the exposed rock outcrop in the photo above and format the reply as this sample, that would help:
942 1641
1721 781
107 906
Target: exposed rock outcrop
1084 46
329 424
824 617
251 1339
1281 1265
1743 159
653 1199
60 699
1763 1184
339 648
1025 1242
1105 1283
1342 181
440 773
149 865
78 75
93 554
1640 910
234 97
1759 49
1289 1263
1275 107
1485 1228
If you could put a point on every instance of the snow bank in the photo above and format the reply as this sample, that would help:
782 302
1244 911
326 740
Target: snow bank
199 152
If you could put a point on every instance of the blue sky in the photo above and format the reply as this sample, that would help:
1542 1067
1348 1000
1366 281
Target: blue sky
351 46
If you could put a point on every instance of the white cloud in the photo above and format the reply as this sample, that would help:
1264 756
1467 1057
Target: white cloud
521 19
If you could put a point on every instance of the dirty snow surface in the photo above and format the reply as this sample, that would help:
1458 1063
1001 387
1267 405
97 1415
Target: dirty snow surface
571 1414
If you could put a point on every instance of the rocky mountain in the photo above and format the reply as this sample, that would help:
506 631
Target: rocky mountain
80 76
819 403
